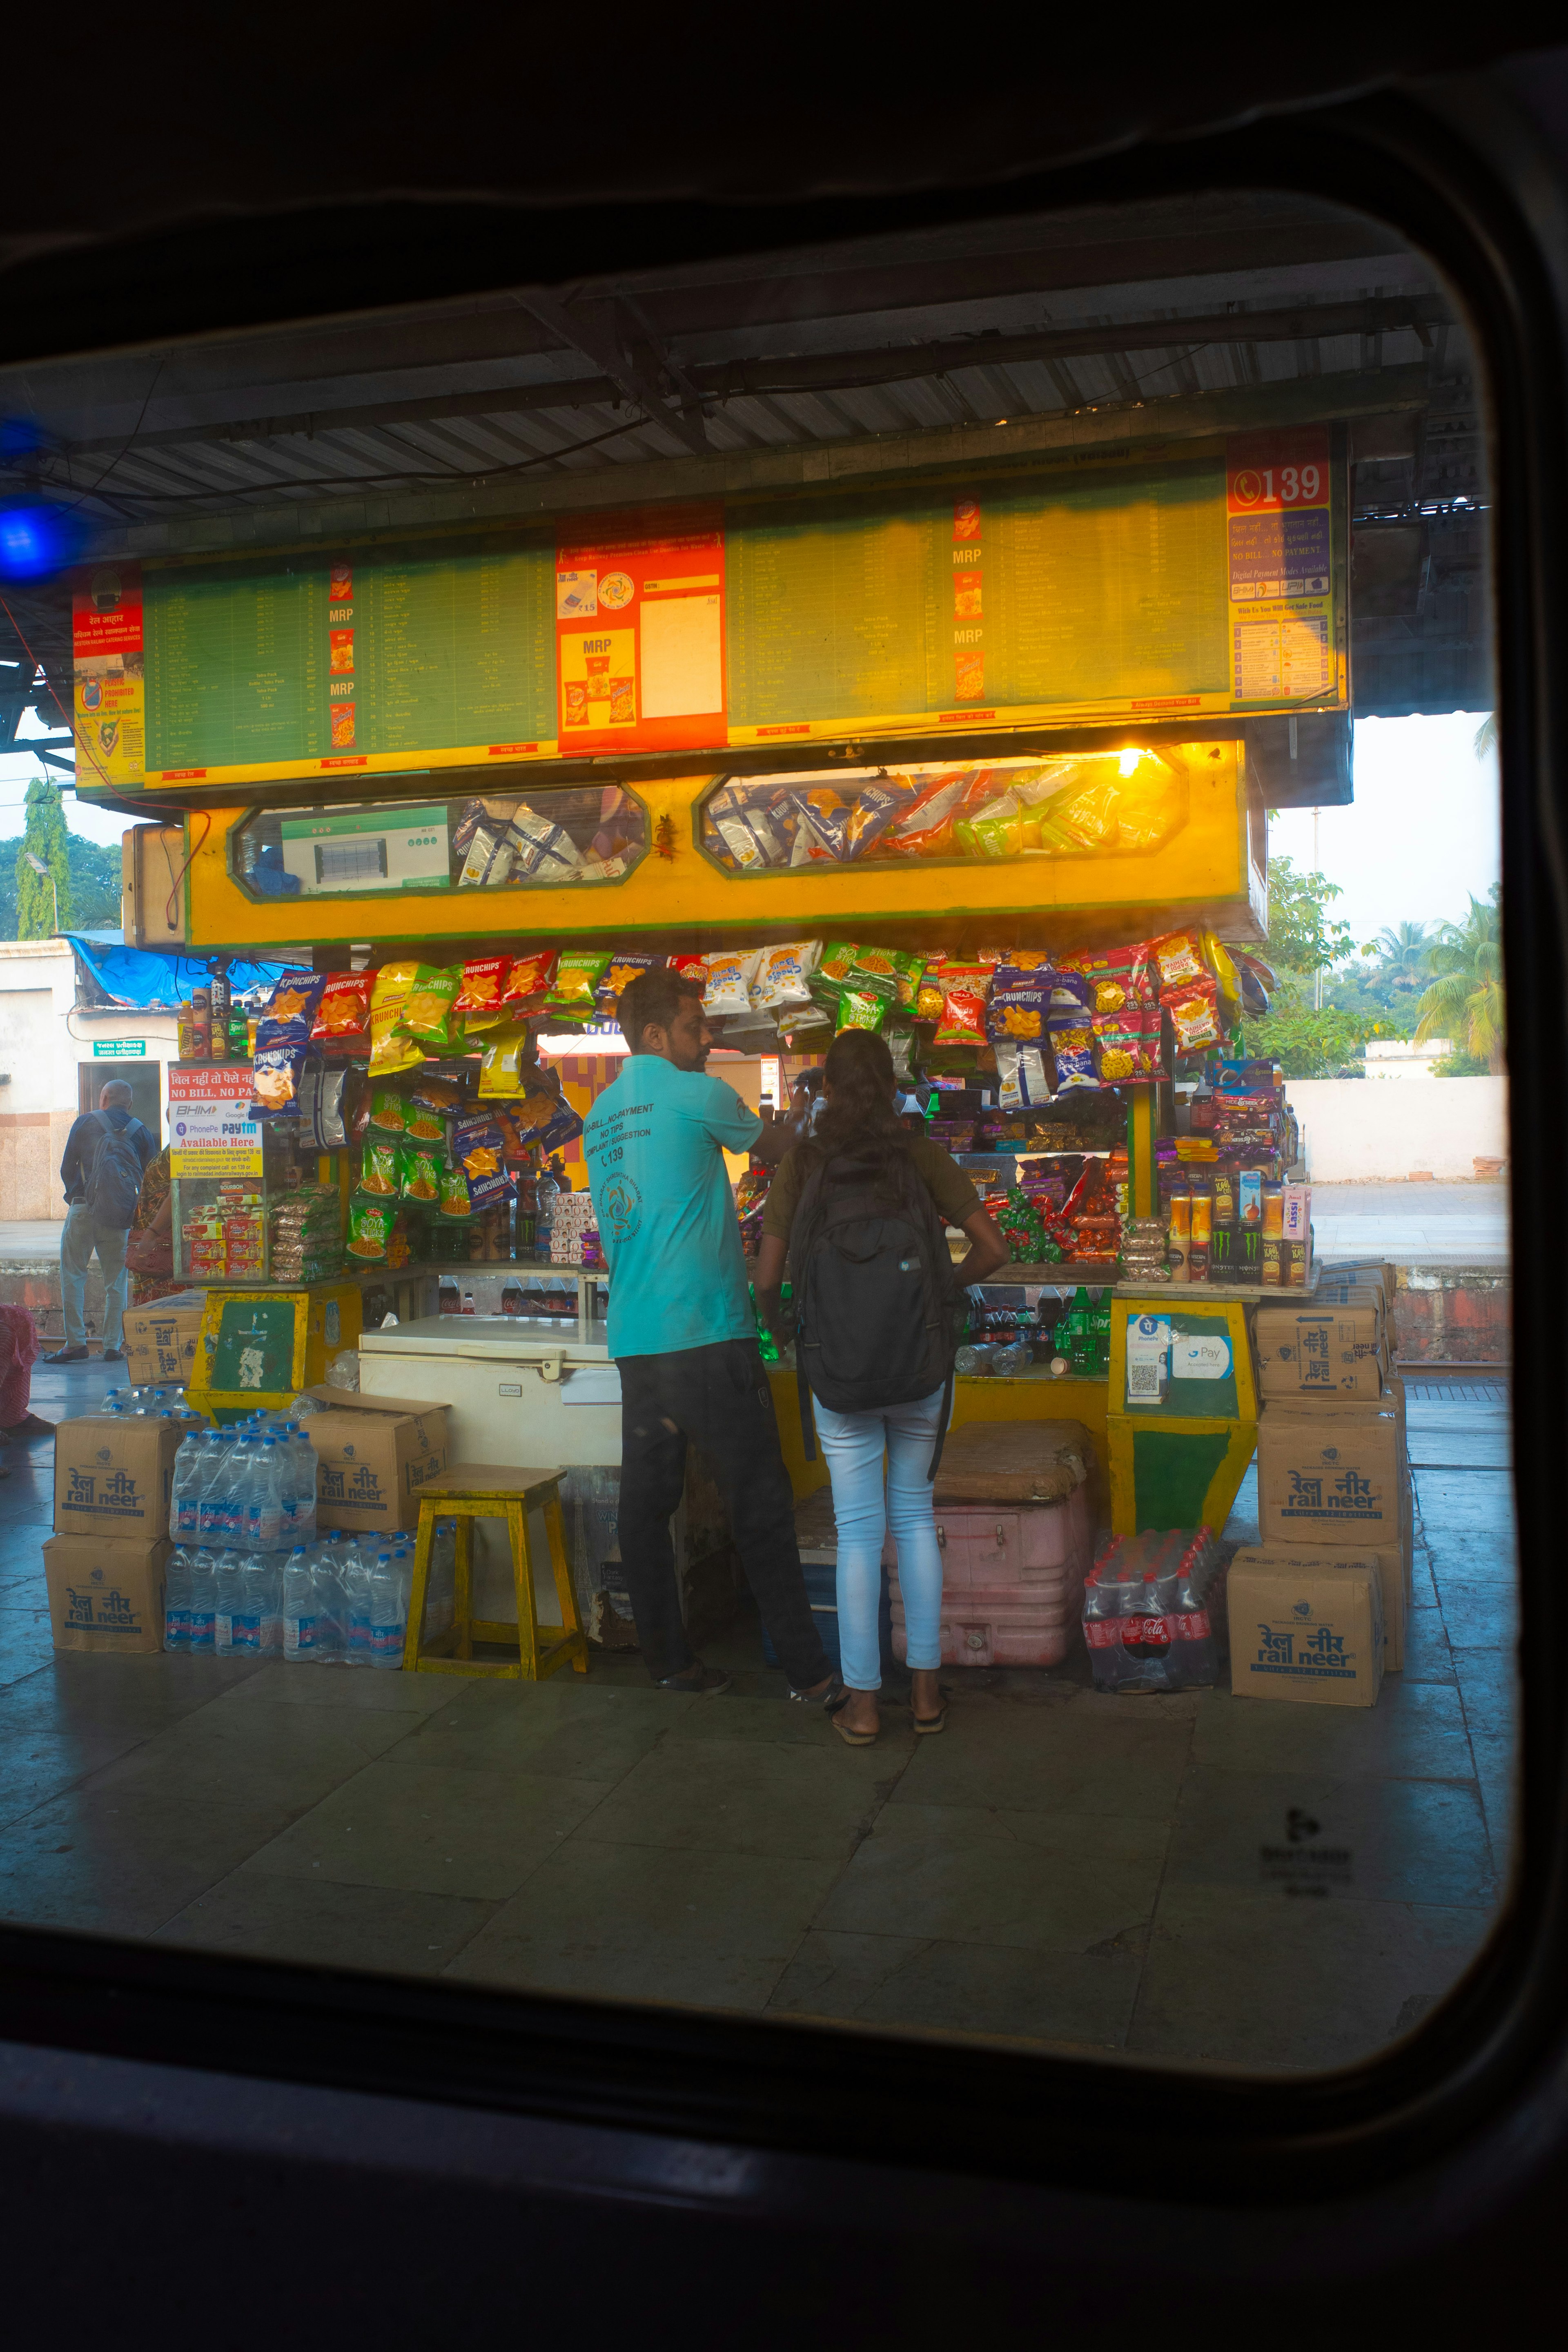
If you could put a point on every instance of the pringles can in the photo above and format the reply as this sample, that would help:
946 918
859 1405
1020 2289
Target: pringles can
1180 1236
1202 1236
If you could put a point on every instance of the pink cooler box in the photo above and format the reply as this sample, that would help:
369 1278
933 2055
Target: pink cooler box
1016 1523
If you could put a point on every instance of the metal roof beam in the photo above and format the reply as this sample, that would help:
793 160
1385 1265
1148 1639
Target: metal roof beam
602 346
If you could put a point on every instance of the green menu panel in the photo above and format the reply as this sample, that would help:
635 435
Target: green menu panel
391 650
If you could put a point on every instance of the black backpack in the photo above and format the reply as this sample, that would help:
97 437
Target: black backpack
879 1315
113 1184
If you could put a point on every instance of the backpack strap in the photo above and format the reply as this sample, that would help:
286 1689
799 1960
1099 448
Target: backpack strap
942 1426
800 1228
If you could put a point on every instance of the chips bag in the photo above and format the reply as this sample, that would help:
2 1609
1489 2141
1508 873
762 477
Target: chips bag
419 1170
1179 957
426 1013
621 971
528 981
727 975
431 1102
822 825
391 1049
379 1173
963 1020
1195 1015
924 829
1072 1052
389 1110
1019 1005
873 810
1020 1074
482 997
577 979
860 1008
507 1055
876 969
344 1015
928 993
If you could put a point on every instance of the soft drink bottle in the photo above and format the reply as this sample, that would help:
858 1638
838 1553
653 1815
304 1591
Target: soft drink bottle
203 1600
177 1601
227 1601
301 1606
185 1494
386 1613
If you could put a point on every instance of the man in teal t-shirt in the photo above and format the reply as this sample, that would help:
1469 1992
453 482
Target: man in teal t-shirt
684 1334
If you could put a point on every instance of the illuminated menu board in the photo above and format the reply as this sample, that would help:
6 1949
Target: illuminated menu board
1203 582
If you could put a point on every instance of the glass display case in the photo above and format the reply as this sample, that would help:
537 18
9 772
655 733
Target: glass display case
492 841
1080 804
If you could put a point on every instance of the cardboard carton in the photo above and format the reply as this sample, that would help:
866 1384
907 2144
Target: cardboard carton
376 1455
1305 1626
112 1476
104 1595
160 1340
1331 1472
1321 1351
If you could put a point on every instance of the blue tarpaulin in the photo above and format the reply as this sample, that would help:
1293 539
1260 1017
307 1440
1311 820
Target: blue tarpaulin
142 978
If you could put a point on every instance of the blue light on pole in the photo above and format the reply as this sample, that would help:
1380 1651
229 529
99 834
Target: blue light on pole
38 539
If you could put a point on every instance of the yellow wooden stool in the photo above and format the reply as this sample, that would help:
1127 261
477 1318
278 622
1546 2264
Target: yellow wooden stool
483 1490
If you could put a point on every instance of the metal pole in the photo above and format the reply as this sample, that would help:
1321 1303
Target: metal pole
1318 975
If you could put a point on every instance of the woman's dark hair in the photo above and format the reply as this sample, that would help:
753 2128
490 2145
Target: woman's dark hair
861 1117
651 1000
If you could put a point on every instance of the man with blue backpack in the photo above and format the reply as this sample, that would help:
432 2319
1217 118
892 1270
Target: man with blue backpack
106 1154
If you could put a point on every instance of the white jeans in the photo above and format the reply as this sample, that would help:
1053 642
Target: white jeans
78 1242
853 1445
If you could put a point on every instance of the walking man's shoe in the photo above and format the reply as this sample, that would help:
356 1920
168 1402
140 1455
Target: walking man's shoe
67 1356
112 1356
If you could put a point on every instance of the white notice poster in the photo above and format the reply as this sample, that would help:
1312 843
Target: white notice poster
682 670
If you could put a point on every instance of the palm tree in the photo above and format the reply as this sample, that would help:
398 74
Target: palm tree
1404 954
1464 1000
1486 735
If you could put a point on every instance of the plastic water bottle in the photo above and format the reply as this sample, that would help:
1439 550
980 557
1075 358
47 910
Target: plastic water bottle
177 1601
307 1472
203 1600
388 1613
210 1495
441 1594
258 1622
227 1601
354 1574
301 1606
326 1575
546 1192
263 1529
185 1494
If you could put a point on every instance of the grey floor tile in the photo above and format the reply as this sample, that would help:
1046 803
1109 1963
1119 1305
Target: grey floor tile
1415 1732
1428 1655
831 1974
778 1722
743 1797
431 1828
116 1862
1103 1758
1480 1612
284 1758
1406 1840
1036 1882
641 1922
1423 1591
283 1682
1080 2000
1263 1981
324 1923
565 1729
27 1641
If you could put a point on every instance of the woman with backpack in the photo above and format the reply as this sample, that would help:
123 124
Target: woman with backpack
861 1209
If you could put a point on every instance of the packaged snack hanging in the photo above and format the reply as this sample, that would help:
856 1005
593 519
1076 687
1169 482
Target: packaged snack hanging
1021 1082
426 1014
784 974
419 1170
876 971
389 1110
392 1048
1179 957
1121 979
342 1022
507 1054
860 1008
481 997
622 969
283 1040
728 972
379 1173
1018 1006
1071 1043
576 977
528 981
928 993
370 1225
964 987
1195 1015
1151 799
455 1201
431 1103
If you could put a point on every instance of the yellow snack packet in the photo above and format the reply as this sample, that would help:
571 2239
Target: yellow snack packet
502 1063
391 1049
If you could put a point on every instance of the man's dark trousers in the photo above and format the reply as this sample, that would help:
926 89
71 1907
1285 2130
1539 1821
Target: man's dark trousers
718 1398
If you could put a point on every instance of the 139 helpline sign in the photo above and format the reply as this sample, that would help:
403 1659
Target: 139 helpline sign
211 1129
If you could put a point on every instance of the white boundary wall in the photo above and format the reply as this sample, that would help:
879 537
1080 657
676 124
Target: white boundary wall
1356 1130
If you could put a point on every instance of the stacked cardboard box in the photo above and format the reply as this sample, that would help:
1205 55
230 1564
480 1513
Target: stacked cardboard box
1333 1484
104 1564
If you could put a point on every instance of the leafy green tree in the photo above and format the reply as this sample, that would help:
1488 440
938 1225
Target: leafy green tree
46 839
1302 936
1309 1041
1464 1000
1405 955
95 886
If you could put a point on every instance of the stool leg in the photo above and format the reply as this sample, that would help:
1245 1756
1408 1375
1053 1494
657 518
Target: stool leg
523 1577
462 1603
421 1544
565 1590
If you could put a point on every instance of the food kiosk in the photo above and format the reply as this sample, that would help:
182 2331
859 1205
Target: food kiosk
993 727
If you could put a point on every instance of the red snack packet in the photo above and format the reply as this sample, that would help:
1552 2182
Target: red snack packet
529 981
343 1016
